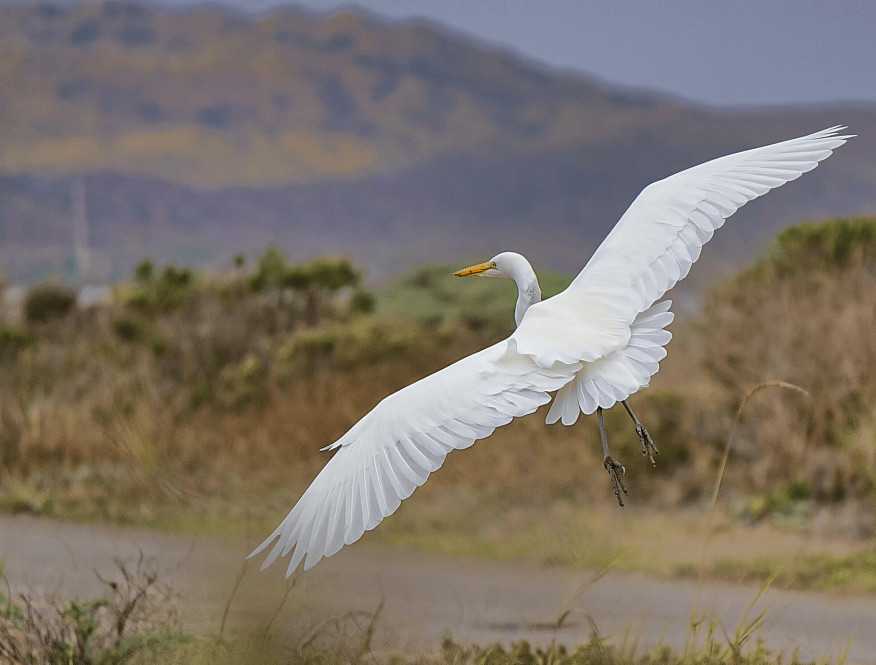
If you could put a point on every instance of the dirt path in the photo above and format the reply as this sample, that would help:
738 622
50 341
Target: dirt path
425 595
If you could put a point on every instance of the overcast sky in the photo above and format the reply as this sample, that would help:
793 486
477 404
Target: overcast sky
721 52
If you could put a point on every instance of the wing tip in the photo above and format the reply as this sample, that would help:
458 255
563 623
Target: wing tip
264 544
831 134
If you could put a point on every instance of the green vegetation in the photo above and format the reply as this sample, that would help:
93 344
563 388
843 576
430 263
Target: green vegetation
48 301
855 572
482 304
598 651
135 622
818 248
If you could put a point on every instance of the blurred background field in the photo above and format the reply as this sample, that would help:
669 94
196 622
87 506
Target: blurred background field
226 234
195 401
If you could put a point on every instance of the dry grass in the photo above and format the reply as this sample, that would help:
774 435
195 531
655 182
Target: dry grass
804 316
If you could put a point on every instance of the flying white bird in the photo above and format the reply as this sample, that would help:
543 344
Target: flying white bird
596 343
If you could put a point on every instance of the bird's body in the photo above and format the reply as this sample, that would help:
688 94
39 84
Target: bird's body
596 343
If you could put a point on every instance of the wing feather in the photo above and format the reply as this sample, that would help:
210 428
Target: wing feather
393 449
661 234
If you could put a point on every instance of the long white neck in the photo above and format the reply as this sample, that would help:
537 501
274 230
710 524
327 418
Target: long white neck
528 292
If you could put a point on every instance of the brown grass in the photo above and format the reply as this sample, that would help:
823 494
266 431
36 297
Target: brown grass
815 333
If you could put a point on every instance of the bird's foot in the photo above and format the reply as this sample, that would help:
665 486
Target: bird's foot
648 447
616 472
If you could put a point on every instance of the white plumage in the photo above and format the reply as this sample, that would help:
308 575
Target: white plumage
596 343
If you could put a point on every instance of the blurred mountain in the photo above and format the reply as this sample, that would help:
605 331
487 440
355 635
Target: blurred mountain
128 131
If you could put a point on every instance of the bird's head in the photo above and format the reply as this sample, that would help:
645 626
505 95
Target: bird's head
506 264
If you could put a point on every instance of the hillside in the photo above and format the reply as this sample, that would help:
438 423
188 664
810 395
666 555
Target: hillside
214 99
200 134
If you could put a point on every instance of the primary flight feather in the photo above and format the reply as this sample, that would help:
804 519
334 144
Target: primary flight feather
596 343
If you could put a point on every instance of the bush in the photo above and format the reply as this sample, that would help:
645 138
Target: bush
362 301
144 272
818 248
14 339
166 292
128 329
804 315
333 273
330 273
48 301
135 622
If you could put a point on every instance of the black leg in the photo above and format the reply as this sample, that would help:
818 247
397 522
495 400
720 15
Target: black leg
648 447
615 469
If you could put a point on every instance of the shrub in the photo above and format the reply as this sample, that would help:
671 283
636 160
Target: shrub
362 301
48 301
803 315
242 383
134 622
128 329
333 273
817 248
14 339
144 272
166 292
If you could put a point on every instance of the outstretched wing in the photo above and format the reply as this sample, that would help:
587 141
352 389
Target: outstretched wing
394 448
661 234
650 249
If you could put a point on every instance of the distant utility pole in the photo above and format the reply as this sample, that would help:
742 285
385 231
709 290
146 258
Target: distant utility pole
80 228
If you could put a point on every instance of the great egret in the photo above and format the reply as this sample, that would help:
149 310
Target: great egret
596 343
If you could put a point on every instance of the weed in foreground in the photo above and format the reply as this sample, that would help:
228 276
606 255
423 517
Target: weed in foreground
134 622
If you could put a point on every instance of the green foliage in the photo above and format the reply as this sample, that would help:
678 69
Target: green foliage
781 500
133 623
740 649
82 618
345 346
128 328
144 272
45 302
362 301
158 345
149 293
270 269
242 383
14 339
329 273
174 286
818 572
333 273
10 611
295 277
818 247
428 293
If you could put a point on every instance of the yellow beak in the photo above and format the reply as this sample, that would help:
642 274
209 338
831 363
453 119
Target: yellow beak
478 269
